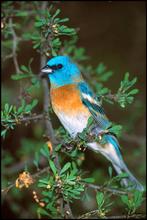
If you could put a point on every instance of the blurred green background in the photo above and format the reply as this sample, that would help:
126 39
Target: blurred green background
113 33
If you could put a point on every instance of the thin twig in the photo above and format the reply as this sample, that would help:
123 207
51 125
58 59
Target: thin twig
96 214
25 119
110 96
102 188
15 41
14 48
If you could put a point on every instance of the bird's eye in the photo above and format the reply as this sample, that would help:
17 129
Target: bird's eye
59 66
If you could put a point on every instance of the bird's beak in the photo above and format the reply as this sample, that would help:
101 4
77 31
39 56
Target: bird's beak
45 71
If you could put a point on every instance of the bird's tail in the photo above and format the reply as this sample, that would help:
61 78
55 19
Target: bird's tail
112 152
130 181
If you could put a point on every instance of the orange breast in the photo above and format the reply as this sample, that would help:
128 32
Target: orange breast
66 99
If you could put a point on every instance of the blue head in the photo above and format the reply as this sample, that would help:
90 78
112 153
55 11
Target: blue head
61 71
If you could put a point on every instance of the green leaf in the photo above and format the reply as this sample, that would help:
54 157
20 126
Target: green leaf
36 160
122 175
58 147
66 167
138 198
34 103
20 76
110 171
56 13
36 45
101 68
116 129
89 180
133 92
3 133
53 167
90 121
45 151
38 23
24 68
42 211
21 13
28 108
100 199
124 199
62 20
6 107
105 76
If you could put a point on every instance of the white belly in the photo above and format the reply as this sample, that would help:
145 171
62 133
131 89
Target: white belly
74 124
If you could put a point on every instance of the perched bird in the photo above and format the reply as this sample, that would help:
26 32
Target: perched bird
74 102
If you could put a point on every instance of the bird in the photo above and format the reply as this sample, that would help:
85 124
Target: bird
74 103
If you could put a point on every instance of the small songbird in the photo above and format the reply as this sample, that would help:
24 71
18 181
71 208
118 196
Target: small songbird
74 103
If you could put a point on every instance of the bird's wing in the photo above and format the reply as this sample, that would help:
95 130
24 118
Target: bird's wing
94 106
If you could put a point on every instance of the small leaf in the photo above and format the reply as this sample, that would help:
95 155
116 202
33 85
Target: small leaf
21 14
34 103
42 211
124 199
28 108
89 180
45 151
90 121
38 23
122 175
6 107
63 20
36 160
20 76
66 167
101 68
110 171
53 167
24 68
3 133
58 147
133 92
100 199
56 13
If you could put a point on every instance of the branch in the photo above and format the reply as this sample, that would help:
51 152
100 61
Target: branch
96 214
49 128
25 119
14 48
102 188
110 96
14 53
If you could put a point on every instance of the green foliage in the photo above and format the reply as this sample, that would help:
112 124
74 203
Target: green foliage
116 129
52 29
11 116
26 72
67 183
102 203
102 74
124 96
132 201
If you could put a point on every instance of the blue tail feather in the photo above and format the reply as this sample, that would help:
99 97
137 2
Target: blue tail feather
118 163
